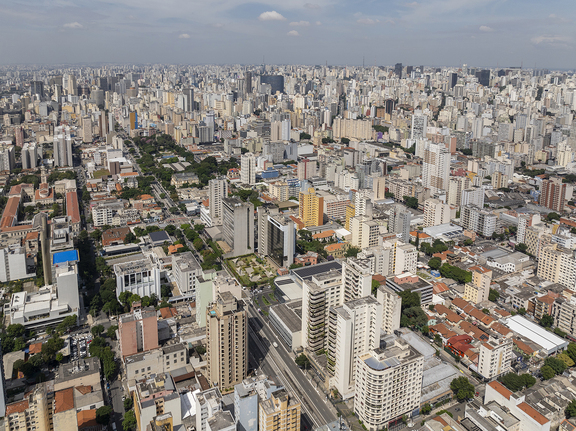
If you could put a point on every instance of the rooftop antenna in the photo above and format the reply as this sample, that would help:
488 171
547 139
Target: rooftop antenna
362 62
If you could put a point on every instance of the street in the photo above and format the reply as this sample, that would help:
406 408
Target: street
314 403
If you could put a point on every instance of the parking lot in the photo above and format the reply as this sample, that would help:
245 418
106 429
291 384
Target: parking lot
79 346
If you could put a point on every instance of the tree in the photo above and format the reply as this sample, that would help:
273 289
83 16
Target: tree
556 364
15 330
352 251
130 238
67 323
521 247
97 330
552 216
515 383
522 311
96 235
411 202
571 351
570 411
302 361
462 388
486 311
304 136
426 408
128 404
493 295
566 359
547 321
103 415
547 372
409 299
434 263
129 422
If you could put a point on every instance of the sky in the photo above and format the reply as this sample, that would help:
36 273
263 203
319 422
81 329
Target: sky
486 33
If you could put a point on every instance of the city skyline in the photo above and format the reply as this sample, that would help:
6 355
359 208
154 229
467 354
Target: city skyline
439 32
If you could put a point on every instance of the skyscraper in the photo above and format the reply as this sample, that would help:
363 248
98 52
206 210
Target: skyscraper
453 79
276 82
227 336
483 77
436 167
238 226
217 190
311 208
553 194
419 125
248 82
276 236
189 93
62 147
86 129
398 70
399 222
37 87
248 169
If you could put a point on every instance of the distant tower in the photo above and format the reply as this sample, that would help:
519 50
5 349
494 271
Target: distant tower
44 178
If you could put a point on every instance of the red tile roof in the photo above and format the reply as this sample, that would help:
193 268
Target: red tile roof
72 208
500 388
64 400
18 407
533 413
86 418
35 348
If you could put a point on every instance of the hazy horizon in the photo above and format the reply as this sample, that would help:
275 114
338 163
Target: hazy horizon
486 33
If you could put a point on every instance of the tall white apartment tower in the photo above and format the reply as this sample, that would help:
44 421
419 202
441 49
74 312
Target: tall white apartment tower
217 190
248 169
419 125
436 167
353 329
62 147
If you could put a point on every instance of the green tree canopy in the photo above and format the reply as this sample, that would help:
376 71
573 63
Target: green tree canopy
462 388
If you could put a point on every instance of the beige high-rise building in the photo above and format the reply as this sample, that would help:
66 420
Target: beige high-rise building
279 190
280 412
311 208
388 383
30 414
557 264
365 232
478 289
227 335
353 329
391 308
379 188
455 187
86 129
499 180
494 358
248 169
437 212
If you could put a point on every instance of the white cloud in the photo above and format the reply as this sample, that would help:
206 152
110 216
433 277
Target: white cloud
486 29
271 16
367 21
318 23
74 24
311 6
300 24
293 33
184 36
550 40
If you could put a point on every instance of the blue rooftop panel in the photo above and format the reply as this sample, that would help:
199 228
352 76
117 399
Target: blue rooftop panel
65 256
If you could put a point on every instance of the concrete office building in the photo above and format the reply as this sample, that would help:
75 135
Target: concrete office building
455 187
365 232
186 270
558 265
86 129
247 396
276 236
15 264
353 329
217 190
248 169
473 196
227 337
208 403
7 158
280 412
141 277
138 331
29 156
419 126
388 383
399 222
238 226
154 398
